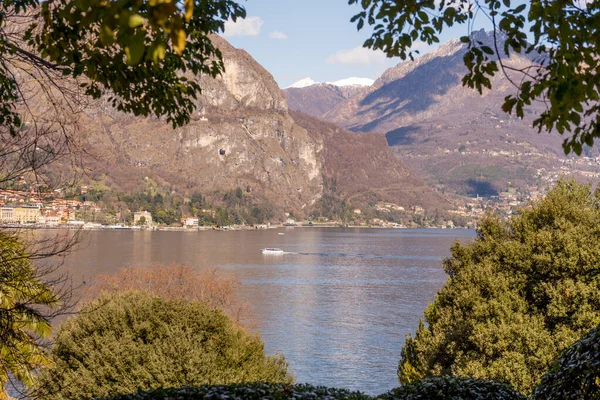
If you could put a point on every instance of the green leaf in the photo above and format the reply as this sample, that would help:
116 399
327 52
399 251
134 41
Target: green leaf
107 36
487 50
135 48
520 8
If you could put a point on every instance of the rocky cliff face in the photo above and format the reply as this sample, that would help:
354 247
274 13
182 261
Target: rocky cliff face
365 170
243 136
244 84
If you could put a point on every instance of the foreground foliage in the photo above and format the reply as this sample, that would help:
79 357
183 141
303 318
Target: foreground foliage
428 389
23 297
452 387
518 295
138 53
558 36
257 391
135 341
576 374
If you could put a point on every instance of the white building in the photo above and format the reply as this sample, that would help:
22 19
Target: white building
7 215
137 216
52 219
191 222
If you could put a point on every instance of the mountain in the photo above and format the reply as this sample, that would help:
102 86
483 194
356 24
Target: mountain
317 99
364 171
244 137
302 83
354 81
457 139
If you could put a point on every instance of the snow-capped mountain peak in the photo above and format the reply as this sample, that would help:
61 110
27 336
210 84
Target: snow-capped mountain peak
306 82
354 81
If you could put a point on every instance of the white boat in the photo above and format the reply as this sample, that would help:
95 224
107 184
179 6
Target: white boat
272 250
281 233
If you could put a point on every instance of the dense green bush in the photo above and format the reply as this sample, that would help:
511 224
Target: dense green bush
576 374
253 391
453 387
135 341
519 294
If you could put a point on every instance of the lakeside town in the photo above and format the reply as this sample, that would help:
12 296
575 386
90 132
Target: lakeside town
28 209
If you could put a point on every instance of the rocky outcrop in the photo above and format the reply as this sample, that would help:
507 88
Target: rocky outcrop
244 84
366 170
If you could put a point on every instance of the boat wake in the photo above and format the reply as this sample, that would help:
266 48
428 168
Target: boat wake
373 256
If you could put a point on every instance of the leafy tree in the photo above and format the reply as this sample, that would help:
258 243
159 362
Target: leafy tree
134 341
23 319
222 217
258 215
137 51
575 374
563 47
519 294
197 200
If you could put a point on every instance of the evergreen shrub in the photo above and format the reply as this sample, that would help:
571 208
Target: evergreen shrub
252 391
453 388
575 374
124 343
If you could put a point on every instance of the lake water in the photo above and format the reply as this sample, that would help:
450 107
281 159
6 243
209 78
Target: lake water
338 304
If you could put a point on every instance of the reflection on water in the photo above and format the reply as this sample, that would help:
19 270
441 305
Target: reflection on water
338 303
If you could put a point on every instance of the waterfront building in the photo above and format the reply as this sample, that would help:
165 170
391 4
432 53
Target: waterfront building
145 214
191 222
7 215
27 215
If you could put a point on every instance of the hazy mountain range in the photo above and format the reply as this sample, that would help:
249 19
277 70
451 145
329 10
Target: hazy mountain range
317 99
458 140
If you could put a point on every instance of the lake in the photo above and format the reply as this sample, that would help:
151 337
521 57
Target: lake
337 304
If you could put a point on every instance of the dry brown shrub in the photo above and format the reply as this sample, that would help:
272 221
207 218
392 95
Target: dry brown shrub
178 282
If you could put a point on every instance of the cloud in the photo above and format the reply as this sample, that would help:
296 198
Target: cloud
249 26
357 55
278 35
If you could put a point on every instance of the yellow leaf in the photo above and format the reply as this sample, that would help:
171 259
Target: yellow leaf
189 9
159 52
179 42
135 20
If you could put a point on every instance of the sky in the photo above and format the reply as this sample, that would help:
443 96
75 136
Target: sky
296 39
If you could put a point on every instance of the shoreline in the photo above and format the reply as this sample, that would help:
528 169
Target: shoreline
212 228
